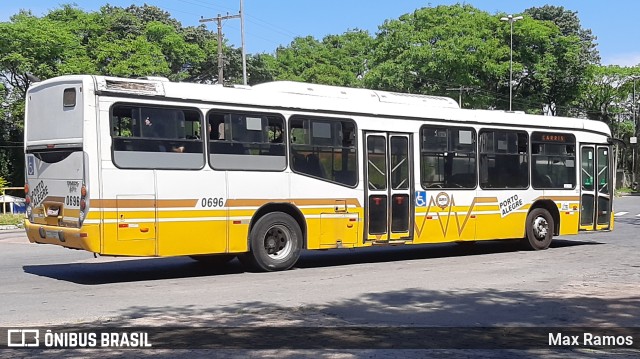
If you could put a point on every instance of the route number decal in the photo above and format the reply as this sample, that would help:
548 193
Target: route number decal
208 202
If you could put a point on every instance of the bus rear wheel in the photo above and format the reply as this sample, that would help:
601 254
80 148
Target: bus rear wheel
275 243
540 227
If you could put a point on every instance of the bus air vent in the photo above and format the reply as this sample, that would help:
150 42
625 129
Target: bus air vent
139 87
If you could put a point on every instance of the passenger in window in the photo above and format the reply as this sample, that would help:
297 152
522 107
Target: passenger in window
221 131
277 134
153 129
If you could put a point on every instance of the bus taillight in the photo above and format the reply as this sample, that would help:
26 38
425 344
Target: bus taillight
27 201
83 204
27 198
83 197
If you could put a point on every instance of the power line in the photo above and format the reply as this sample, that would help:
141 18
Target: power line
207 5
218 20
252 19
461 88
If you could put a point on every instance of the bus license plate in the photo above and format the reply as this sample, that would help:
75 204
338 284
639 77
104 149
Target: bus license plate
52 234
53 212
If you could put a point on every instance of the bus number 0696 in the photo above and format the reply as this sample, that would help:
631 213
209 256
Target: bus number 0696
212 202
72 201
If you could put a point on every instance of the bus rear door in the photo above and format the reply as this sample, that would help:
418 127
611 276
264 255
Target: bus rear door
595 192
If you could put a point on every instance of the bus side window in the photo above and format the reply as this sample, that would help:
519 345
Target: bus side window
247 134
448 157
553 160
324 148
144 136
503 159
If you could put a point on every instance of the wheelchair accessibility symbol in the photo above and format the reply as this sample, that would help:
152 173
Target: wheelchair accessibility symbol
31 166
421 198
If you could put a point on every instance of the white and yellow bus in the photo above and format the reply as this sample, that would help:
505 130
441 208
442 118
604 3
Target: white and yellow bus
148 167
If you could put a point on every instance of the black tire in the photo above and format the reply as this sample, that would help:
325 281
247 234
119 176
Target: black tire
540 227
275 242
214 260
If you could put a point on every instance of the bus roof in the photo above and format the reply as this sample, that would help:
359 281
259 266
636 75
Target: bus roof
327 99
356 94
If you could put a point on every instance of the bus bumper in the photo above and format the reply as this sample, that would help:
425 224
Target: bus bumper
86 238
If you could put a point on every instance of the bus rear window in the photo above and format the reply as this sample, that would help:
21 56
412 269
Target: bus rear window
54 156
69 97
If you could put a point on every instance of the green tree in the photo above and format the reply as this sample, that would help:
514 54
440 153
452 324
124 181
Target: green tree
30 46
604 95
569 24
339 60
570 55
607 96
433 49
131 42
260 68
447 46
548 73
41 47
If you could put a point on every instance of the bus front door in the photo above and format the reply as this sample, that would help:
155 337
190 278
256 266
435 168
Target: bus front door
389 184
595 187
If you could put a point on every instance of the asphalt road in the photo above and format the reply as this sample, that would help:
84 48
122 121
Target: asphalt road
585 280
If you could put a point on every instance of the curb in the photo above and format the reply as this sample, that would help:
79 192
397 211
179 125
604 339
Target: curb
5 227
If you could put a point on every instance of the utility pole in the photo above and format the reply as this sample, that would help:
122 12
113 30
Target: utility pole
244 52
511 19
461 88
635 135
219 19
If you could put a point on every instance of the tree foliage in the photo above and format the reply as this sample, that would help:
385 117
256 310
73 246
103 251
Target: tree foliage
339 60
607 96
574 51
429 51
131 42
432 49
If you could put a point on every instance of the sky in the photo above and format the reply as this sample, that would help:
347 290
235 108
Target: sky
271 23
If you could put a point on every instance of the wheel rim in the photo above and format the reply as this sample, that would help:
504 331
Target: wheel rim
540 228
277 242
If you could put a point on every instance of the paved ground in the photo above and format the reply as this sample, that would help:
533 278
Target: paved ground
585 280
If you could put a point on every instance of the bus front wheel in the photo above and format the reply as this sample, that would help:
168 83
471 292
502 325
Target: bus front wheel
275 242
539 229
